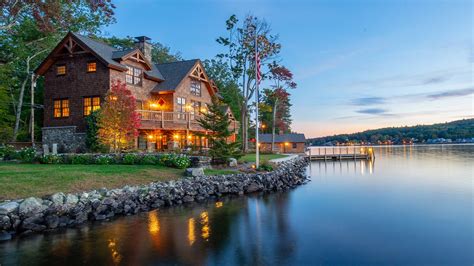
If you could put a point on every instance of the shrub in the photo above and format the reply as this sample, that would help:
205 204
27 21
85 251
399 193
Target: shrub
167 160
265 166
7 152
27 154
130 158
149 159
51 159
181 162
104 159
82 159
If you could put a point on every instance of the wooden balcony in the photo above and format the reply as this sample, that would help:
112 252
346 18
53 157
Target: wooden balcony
174 121
169 120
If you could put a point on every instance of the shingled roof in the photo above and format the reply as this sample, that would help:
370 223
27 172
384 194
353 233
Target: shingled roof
169 74
173 74
291 137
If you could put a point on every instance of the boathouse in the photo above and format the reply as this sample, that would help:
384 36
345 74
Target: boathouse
284 143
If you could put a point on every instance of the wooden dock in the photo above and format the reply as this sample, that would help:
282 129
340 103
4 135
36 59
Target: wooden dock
340 153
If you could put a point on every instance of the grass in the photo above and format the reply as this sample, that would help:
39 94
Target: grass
23 180
250 158
219 171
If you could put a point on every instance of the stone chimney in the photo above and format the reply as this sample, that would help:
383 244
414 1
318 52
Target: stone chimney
144 46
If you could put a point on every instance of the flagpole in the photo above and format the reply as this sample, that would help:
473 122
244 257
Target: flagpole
257 155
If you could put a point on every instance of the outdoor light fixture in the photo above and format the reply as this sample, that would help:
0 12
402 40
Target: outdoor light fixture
287 143
176 136
154 105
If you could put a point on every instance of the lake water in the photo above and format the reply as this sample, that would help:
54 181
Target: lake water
412 205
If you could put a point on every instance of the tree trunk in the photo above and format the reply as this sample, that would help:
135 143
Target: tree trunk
22 94
32 102
20 100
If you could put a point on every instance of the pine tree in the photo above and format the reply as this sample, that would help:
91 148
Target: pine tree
217 121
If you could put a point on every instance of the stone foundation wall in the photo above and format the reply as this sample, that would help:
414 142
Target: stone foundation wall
67 138
60 210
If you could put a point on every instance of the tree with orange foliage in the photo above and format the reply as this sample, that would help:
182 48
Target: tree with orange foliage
118 121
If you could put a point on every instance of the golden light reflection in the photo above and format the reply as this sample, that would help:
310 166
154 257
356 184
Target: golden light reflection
219 204
153 223
116 257
191 235
205 230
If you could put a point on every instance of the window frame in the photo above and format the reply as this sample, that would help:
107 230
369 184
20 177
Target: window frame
181 107
57 70
61 108
95 67
91 108
193 110
195 90
131 73
294 145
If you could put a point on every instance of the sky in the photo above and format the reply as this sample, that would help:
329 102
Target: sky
358 64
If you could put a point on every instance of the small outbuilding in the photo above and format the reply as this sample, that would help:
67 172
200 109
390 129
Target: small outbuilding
284 143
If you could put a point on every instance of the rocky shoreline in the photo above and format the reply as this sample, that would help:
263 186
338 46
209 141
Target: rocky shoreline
33 215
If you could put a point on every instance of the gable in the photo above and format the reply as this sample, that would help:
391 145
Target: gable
74 44
134 55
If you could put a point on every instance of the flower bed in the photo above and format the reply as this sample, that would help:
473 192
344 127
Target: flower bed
29 155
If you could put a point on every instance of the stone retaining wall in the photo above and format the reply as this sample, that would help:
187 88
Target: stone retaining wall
60 210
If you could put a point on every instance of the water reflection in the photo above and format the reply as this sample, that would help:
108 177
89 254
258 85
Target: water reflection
414 206
343 167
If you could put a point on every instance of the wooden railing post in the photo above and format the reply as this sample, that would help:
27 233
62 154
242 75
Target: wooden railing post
162 119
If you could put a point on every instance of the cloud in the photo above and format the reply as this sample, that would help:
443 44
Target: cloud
368 101
450 93
372 111
434 80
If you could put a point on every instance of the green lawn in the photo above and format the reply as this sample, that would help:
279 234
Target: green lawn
248 158
22 180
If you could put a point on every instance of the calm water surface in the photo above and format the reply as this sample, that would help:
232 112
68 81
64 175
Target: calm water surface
413 205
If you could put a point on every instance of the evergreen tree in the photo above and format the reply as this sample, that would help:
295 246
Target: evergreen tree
217 120
92 132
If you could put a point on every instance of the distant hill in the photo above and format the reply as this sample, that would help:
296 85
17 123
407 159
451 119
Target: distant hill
455 131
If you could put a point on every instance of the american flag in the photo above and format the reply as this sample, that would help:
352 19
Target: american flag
257 62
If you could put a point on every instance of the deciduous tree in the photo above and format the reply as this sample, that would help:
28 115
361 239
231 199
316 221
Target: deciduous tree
118 121
240 43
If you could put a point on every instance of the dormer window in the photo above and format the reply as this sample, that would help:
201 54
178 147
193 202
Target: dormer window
196 87
91 67
61 70
134 76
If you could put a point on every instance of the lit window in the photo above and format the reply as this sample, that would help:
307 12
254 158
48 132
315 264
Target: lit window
195 108
91 104
134 76
181 107
196 87
61 70
61 108
91 67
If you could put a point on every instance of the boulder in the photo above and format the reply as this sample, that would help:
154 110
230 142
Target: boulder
195 172
52 221
5 222
31 206
253 187
232 162
71 199
57 198
9 207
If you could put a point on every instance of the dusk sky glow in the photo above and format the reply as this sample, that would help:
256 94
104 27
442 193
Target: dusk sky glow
358 64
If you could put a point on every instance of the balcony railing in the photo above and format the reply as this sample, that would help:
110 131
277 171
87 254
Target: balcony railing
162 118
175 120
